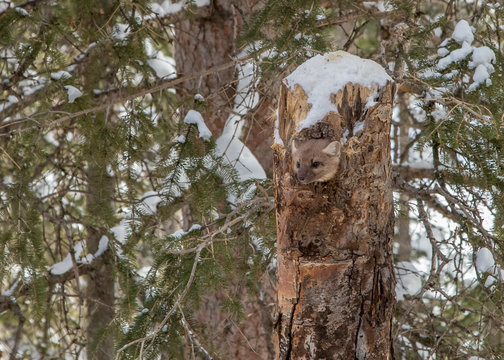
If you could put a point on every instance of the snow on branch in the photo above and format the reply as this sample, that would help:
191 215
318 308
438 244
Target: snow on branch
67 263
194 117
482 57
229 144
168 7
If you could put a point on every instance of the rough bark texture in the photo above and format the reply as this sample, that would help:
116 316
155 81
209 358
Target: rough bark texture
334 240
204 40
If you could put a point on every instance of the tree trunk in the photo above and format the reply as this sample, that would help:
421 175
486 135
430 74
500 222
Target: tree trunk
334 239
100 294
202 41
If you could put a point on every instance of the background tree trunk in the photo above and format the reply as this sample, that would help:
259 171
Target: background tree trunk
204 41
334 240
100 282
404 208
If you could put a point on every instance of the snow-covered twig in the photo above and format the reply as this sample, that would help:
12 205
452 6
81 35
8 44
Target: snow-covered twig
110 102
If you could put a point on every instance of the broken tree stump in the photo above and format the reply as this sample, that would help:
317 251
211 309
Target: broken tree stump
334 239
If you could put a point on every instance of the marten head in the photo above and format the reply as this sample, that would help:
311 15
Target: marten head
315 160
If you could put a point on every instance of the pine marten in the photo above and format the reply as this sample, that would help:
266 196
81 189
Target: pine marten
315 160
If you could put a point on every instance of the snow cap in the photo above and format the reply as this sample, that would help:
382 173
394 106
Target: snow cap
323 75
463 32
484 260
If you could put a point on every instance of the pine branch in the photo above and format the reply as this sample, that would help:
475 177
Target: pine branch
30 4
9 303
13 126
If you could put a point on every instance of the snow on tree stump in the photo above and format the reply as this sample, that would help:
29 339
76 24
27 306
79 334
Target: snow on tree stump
334 239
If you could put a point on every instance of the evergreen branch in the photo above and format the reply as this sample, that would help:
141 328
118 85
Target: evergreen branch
8 303
435 270
410 173
30 4
198 249
69 235
113 101
356 16
165 319
210 238
430 234
467 212
191 335
10 158
428 196
84 269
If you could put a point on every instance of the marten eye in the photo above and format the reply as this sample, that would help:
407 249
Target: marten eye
315 164
298 165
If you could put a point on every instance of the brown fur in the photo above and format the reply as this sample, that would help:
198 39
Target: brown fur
315 160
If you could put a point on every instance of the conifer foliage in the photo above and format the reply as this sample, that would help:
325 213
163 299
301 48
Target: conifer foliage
132 196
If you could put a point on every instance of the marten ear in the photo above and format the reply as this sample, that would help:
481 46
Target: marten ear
333 149
294 149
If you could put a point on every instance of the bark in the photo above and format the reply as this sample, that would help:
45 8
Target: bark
334 240
100 284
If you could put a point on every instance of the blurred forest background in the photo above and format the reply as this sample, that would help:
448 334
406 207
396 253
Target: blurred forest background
136 210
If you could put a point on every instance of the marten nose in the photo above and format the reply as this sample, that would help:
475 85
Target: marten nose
301 177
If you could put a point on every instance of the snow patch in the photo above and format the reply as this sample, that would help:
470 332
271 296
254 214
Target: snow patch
149 202
120 32
484 260
73 93
229 144
442 51
21 11
180 233
66 264
170 7
409 281
13 288
490 281
121 231
194 117
324 75
276 134
463 33
379 5
102 246
482 59
455 56
62 74
482 56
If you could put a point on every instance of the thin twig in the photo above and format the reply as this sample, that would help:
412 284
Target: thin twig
165 320
160 87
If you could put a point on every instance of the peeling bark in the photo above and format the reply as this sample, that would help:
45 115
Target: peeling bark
334 240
